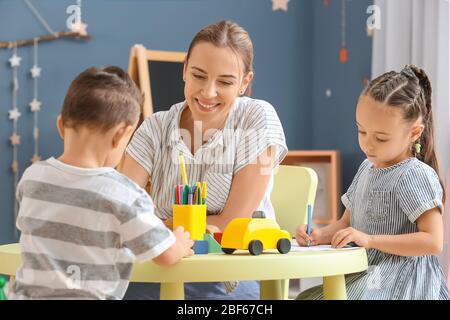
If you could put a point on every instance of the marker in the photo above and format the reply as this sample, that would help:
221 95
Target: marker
180 194
194 194
199 193
308 243
204 192
191 195
175 195
186 194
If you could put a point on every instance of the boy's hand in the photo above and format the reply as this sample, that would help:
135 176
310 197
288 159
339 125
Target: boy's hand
185 243
302 237
169 223
344 236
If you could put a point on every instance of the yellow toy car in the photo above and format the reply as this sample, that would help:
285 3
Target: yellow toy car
255 235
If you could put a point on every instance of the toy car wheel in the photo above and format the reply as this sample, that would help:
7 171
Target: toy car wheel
284 245
255 247
228 250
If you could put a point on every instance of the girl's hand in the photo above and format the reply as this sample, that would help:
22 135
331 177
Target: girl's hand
344 236
302 237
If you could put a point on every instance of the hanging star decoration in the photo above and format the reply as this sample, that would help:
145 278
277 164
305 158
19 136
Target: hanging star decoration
35 105
15 139
35 72
80 28
15 60
14 114
280 5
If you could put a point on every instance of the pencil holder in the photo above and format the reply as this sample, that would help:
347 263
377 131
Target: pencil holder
192 217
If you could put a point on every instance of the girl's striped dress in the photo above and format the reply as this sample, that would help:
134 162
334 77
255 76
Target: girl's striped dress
388 201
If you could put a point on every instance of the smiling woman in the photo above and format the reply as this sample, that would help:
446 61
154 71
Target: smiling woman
231 141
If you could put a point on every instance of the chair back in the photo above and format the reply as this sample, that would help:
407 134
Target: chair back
293 189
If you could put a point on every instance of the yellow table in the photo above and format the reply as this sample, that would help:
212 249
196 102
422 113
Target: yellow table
272 269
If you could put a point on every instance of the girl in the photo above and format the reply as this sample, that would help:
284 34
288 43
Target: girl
230 141
394 204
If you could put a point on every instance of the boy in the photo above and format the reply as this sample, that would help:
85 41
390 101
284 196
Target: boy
82 222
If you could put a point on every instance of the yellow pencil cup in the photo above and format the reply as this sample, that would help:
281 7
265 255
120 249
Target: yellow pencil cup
192 217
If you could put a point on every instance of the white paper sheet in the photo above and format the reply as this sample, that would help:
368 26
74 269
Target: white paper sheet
323 247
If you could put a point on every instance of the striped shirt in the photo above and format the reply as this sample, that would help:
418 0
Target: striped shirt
80 232
250 128
388 201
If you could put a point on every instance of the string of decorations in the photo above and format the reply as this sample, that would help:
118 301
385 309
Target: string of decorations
35 104
14 115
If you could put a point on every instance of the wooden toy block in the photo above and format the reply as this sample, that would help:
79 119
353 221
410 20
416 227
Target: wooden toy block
200 247
213 245
218 237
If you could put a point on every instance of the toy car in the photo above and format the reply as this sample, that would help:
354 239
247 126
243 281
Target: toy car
255 235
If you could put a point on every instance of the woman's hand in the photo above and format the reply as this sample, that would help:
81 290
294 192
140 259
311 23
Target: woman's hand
302 237
344 236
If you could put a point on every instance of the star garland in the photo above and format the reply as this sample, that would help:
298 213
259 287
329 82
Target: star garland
14 115
35 104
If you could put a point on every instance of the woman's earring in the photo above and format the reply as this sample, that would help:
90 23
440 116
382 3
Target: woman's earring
417 148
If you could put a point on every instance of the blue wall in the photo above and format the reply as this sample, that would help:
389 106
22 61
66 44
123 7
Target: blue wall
295 59
333 118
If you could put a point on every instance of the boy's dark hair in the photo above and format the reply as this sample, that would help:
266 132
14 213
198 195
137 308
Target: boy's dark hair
101 98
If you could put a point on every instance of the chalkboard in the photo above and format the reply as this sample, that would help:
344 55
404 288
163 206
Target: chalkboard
166 84
159 76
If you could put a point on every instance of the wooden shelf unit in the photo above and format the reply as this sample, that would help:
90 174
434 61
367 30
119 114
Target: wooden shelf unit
327 164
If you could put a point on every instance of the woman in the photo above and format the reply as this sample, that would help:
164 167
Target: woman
230 141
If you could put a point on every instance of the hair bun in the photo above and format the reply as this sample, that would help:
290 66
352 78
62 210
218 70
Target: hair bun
424 82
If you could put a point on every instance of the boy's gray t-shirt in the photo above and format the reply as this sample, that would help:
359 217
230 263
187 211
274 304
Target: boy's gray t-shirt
81 230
